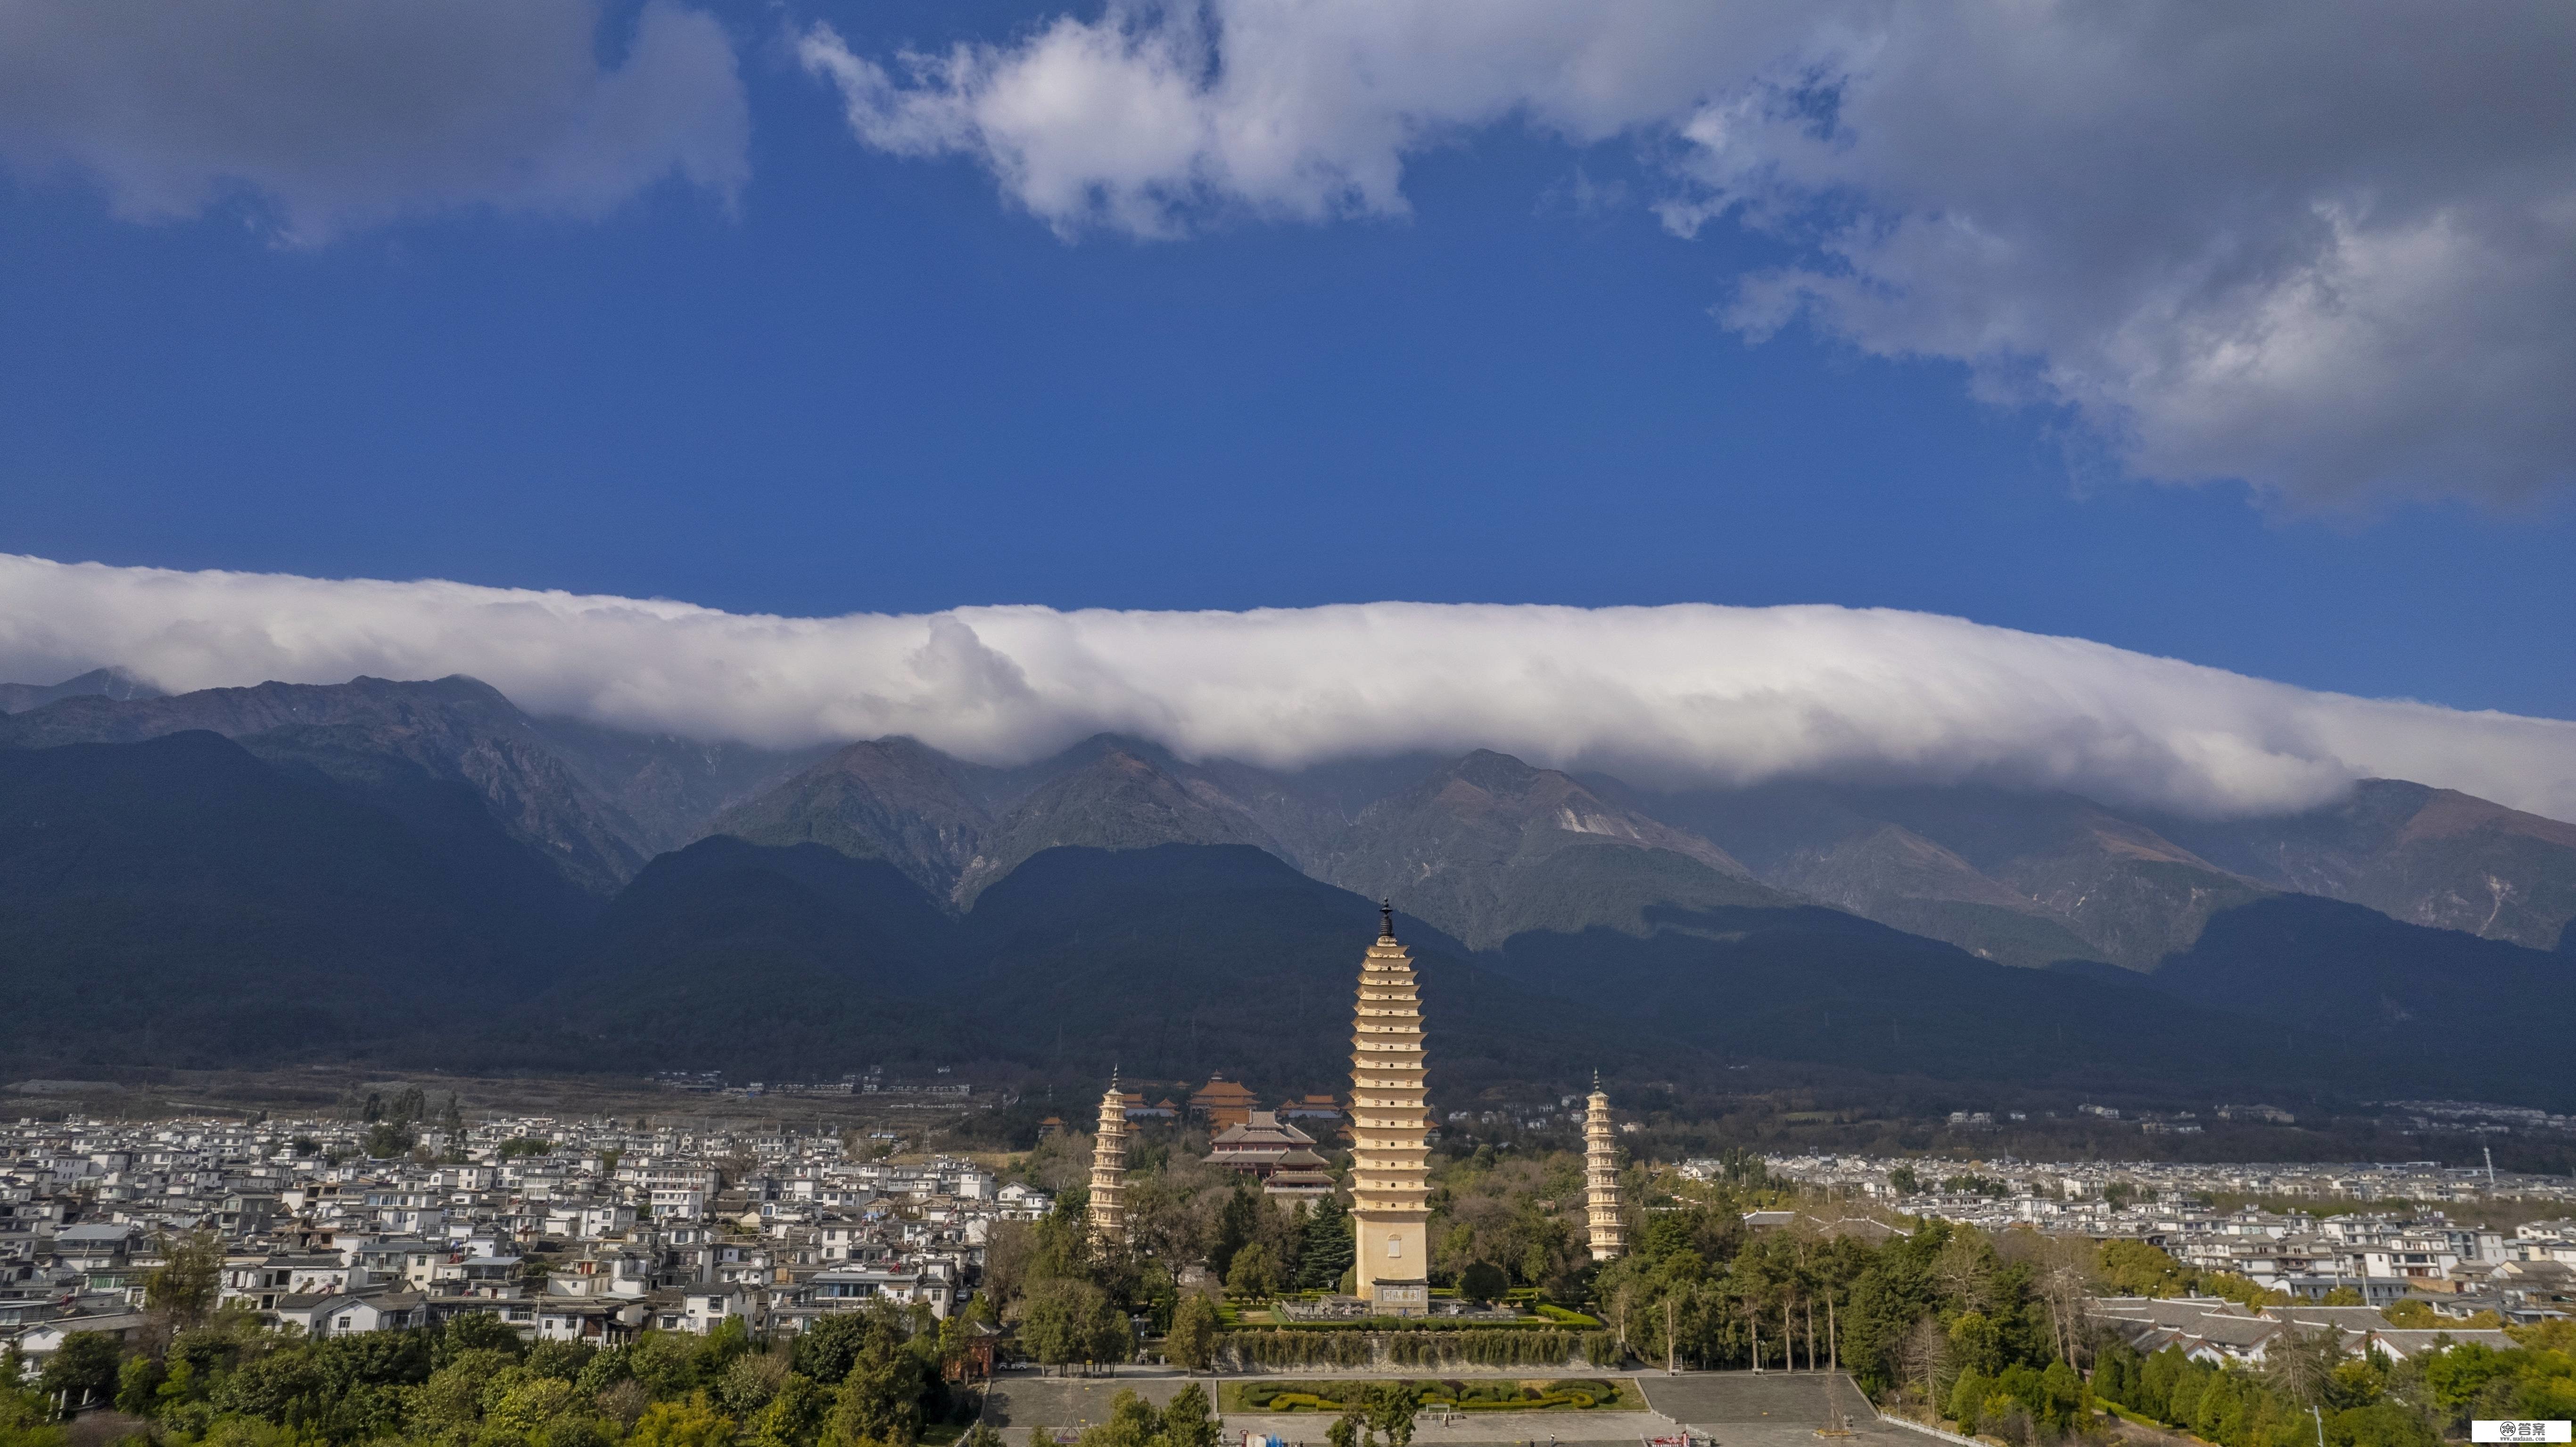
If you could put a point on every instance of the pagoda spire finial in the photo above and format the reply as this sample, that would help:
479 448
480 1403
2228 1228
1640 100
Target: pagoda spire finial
1386 918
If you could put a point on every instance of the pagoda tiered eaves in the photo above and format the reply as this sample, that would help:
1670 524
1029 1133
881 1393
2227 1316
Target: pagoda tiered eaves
1390 1134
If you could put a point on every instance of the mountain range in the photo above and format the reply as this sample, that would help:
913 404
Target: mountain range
298 869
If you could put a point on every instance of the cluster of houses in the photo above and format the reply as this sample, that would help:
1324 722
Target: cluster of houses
566 1230
2222 1333
2522 1274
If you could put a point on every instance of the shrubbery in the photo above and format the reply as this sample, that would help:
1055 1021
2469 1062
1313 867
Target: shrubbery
870 1377
1293 1396
1480 1347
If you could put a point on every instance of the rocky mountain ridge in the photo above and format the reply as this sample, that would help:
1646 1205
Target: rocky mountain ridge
277 871
1484 846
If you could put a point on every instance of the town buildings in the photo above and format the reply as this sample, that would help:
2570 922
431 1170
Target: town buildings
2379 1256
567 1230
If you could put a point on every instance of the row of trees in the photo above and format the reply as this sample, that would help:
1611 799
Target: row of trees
2313 1382
873 1377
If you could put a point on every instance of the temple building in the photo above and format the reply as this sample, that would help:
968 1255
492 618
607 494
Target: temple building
1278 1155
1390 1134
1222 1102
1601 1177
1108 1213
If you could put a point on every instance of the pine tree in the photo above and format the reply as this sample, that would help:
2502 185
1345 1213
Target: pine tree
1235 1226
1327 1251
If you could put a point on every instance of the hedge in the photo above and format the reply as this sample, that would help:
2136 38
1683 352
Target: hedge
1546 1347
1465 1396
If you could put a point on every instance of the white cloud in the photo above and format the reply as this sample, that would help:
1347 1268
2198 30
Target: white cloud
336 114
1662 695
2328 249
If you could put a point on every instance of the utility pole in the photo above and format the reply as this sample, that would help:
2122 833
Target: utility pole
1668 1337
1755 1321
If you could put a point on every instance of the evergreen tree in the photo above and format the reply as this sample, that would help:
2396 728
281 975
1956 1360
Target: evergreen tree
1328 1251
1255 1276
1235 1227
1192 1341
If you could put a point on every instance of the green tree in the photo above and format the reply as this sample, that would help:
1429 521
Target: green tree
794 1416
1192 1340
1107 1335
284 1387
1390 1408
1967 1395
1483 1281
879 1402
682 1424
83 1369
2383 1425
749 1382
2134 1268
532 1404
828 1349
1237 1222
1054 1320
1190 1420
138 1385
1977 1343
182 1291
1328 1251
1254 1275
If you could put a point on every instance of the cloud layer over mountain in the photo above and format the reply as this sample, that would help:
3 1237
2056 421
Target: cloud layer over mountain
341 113
1669 695
2323 248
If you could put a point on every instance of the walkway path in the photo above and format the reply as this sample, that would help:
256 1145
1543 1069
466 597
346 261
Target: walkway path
1736 1409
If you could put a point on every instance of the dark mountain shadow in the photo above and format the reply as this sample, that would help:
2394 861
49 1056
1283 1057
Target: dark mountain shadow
785 963
177 901
2493 1015
1816 985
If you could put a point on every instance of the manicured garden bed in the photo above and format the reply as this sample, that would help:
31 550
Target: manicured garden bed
1535 1394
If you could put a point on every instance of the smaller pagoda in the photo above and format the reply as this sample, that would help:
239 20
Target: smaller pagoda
1108 1213
1601 1177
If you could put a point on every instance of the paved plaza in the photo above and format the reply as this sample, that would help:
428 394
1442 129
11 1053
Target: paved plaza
1730 1409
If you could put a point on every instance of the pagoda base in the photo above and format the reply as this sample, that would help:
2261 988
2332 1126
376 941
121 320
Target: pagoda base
1400 1298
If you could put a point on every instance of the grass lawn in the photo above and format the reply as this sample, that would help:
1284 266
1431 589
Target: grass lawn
1265 1395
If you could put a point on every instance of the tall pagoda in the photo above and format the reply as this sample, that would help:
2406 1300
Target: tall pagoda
1390 1133
1108 1212
1601 1177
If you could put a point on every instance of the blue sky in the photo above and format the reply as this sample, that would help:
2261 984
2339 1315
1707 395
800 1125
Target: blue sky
877 381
